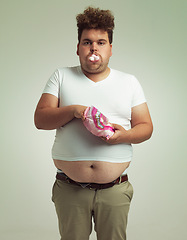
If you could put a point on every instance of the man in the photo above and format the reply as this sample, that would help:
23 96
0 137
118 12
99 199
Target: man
91 176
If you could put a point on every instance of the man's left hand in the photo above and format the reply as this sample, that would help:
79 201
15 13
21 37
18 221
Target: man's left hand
120 135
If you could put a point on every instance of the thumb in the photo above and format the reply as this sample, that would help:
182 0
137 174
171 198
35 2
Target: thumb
116 126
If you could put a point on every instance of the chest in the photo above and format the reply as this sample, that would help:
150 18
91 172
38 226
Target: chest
112 98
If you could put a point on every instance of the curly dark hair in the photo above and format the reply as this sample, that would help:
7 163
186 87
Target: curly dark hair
95 18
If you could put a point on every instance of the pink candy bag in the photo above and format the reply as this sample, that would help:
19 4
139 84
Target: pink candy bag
97 123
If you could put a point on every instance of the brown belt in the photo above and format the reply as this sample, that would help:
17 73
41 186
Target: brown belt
96 186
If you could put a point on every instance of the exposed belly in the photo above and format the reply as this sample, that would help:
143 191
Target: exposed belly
91 171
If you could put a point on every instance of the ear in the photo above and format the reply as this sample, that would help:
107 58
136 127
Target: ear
110 50
78 49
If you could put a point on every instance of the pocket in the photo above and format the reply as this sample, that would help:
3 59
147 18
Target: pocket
53 192
131 190
127 189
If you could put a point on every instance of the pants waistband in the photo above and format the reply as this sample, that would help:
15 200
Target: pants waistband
97 186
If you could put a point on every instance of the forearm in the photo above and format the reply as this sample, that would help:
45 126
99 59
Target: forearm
139 133
51 118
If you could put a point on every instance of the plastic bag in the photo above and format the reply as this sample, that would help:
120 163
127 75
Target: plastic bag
97 123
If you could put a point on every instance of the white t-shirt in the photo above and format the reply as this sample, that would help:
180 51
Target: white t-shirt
113 96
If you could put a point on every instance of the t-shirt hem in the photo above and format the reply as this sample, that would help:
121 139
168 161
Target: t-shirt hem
54 94
99 159
138 103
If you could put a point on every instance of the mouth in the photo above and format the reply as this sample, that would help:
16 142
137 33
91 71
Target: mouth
94 58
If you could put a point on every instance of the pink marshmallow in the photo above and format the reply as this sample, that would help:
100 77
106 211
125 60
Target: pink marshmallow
93 58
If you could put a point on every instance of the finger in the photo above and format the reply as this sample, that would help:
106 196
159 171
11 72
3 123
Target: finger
83 115
104 138
115 126
83 118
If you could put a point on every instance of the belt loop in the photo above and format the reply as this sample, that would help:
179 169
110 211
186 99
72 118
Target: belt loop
67 179
119 179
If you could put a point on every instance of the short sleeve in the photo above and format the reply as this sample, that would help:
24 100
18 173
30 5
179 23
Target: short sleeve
138 93
53 84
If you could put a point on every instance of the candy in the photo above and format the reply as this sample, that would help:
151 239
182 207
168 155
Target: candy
97 123
93 58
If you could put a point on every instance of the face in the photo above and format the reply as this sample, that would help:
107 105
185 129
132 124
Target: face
94 41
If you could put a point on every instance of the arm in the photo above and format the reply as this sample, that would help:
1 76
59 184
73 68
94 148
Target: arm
49 115
141 130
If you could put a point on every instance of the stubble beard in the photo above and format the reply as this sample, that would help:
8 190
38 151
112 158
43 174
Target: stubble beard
95 68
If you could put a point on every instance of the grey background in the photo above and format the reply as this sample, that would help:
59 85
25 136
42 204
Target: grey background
150 39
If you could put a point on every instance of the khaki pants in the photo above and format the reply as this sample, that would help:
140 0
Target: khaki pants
75 207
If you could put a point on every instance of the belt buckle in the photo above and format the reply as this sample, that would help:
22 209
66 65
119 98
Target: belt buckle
91 187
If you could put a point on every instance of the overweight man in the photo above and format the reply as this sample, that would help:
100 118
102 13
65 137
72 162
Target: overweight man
91 180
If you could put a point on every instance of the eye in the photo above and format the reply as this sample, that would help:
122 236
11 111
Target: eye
101 43
86 43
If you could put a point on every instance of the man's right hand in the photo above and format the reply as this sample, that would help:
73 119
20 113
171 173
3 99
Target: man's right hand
79 111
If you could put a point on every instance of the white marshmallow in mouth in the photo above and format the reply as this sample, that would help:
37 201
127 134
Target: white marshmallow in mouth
94 58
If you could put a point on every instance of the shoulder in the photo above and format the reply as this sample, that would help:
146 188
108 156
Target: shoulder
60 73
123 76
70 70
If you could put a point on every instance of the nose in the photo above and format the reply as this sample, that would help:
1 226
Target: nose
93 47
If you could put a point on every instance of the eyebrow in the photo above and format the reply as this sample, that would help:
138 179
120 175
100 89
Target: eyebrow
99 40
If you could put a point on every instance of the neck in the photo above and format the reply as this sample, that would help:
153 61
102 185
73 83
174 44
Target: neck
97 77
